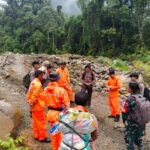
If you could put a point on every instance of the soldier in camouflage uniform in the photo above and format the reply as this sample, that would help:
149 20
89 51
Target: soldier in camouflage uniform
133 131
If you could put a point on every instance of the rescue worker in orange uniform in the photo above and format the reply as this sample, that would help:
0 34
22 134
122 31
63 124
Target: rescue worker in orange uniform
64 80
113 86
56 99
37 108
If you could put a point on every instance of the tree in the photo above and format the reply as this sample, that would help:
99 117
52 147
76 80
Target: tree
105 27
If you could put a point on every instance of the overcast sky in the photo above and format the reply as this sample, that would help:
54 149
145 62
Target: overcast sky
1 1
69 6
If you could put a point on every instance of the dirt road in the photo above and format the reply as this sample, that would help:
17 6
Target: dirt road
13 92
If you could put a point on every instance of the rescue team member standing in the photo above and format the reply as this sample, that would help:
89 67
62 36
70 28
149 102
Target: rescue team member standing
134 132
64 80
36 66
113 86
135 77
56 100
37 107
88 80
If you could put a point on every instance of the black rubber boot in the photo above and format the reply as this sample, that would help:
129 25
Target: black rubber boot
117 118
111 116
140 148
46 140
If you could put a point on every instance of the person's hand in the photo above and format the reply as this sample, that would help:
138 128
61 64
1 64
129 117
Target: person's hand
108 88
88 84
32 103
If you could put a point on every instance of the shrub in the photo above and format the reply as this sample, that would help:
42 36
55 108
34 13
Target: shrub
105 61
12 144
121 65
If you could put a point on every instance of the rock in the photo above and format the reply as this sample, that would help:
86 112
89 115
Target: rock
79 62
10 118
73 62
77 73
7 75
123 91
124 79
102 84
75 57
6 109
105 77
100 70
46 63
86 62
57 62
97 89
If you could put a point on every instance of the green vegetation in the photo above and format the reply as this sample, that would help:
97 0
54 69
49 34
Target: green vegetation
12 144
105 27
116 63
105 61
120 65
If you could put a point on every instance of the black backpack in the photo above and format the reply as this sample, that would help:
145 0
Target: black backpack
26 80
147 93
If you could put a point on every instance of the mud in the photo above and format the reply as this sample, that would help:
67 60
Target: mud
14 67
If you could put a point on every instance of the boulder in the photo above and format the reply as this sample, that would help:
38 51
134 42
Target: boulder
86 62
75 57
100 70
10 118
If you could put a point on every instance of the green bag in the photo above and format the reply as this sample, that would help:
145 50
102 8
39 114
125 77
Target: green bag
26 80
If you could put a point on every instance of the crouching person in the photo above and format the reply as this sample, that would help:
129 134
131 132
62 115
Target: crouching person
79 127
134 126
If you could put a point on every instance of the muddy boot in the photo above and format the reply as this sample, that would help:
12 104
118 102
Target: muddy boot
141 148
117 118
111 116
115 125
46 140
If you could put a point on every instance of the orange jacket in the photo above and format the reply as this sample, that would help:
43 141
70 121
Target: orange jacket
34 95
114 84
55 97
64 77
80 108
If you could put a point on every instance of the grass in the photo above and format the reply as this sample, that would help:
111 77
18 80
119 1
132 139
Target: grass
117 63
120 65
105 61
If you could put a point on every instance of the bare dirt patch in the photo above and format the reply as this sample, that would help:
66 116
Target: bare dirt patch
14 67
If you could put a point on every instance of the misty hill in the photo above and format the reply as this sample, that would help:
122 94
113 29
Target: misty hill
69 6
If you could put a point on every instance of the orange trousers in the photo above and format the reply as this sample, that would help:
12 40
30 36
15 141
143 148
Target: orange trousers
55 139
39 124
69 91
114 104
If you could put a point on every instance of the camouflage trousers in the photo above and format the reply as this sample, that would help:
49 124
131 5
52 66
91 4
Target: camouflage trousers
133 135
